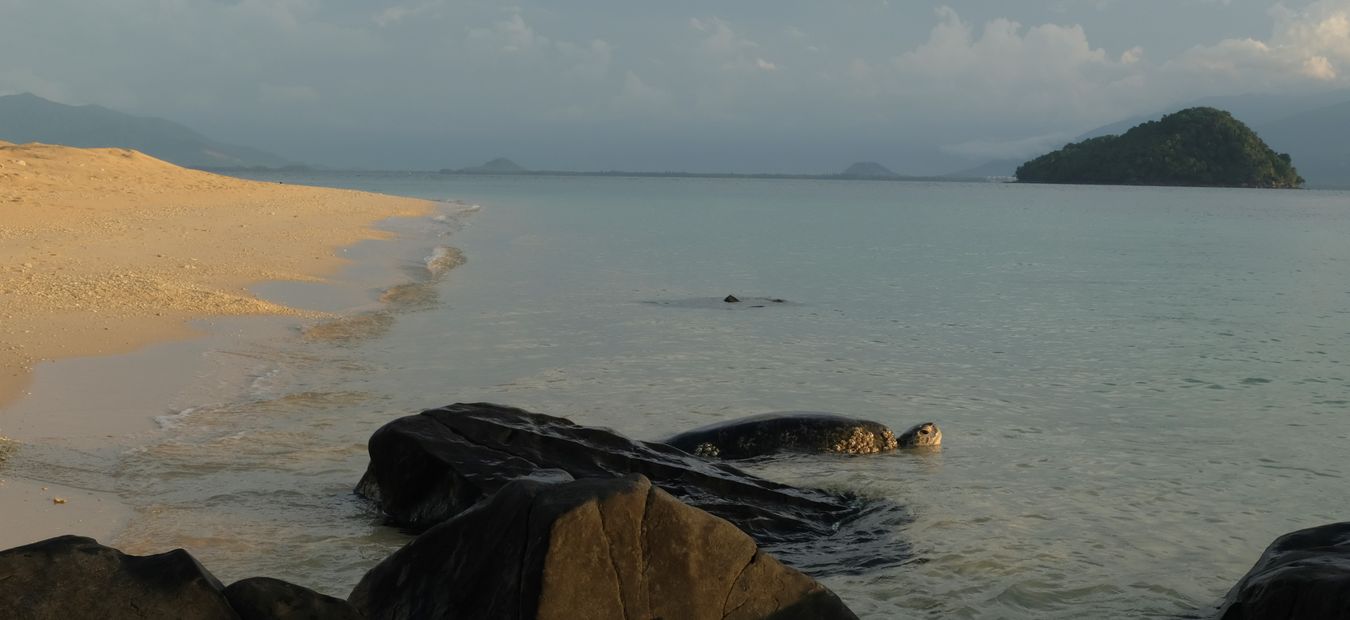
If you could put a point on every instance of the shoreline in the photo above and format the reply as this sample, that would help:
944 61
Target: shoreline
98 337
109 250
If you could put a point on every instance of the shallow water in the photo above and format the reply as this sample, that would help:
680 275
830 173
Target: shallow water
1138 387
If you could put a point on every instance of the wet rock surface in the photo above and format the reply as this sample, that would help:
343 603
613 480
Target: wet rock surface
264 598
1302 575
597 548
72 577
789 431
429 467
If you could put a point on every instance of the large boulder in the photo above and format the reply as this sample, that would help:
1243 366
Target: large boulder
429 467
264 598
598 548
75 577
1303 574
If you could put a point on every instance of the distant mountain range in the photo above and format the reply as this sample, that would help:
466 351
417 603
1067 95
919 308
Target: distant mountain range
29 118
866 170
1313 129
501 165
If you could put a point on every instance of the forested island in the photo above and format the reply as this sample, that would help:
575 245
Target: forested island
1203 147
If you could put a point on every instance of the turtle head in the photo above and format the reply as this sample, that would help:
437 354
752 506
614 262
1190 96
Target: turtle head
921 435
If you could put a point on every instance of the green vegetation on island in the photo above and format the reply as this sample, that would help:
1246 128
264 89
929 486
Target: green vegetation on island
1194 147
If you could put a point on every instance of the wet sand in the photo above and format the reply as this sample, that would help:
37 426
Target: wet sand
109 251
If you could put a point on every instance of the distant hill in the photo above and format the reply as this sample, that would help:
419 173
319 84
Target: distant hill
1196 146
993 169
501 165
29 118
868 170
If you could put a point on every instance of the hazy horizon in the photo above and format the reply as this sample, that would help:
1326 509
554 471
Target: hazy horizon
751 87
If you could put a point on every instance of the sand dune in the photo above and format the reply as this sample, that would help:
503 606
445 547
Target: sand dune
105 250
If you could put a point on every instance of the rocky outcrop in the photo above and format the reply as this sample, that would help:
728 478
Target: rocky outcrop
599 548
1302 575
70 577
790 431
429 467
264 598
75 577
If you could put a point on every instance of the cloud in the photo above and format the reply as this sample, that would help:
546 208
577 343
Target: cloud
1305 46
1002 69
511 35
727 49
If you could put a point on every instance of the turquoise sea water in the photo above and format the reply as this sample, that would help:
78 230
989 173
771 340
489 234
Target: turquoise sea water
1138 387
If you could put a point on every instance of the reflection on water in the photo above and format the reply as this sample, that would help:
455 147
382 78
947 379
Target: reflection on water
1138 388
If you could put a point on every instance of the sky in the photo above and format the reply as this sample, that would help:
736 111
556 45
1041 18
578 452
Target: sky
696 85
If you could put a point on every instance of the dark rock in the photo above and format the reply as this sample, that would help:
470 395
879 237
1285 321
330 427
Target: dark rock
75 577
264 598
790 431
1304 574
600 548
731 299
720 303
429 467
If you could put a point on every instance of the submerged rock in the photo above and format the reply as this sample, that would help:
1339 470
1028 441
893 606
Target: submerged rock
1302 575
601 548
730 302
75 577
790 431
264 598
429 467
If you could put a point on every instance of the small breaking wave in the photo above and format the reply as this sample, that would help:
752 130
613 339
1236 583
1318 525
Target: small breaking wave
442 260
170 421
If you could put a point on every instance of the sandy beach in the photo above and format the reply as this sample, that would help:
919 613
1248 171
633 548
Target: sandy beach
105 250
109 251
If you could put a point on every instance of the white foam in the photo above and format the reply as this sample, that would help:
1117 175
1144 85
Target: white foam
171 421
443 259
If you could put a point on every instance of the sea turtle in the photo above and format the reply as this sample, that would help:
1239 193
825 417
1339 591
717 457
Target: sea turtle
800 431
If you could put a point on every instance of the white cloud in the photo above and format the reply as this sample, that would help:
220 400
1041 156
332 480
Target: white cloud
727 49
1044 73
511 36
1305 46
